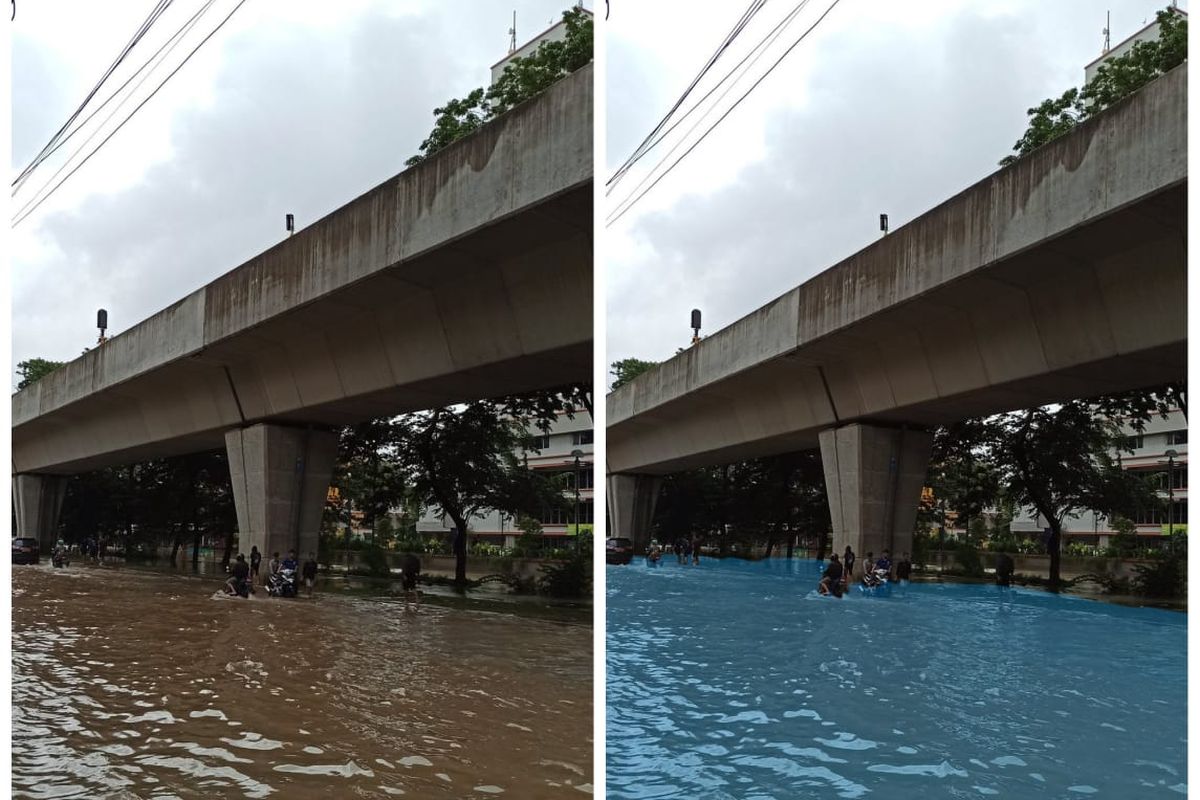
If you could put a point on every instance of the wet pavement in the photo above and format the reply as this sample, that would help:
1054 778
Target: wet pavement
138 685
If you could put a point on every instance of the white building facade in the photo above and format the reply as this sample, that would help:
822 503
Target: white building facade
1159 451
552 455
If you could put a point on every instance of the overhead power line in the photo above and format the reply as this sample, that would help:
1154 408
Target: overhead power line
67 177
721 119
173 42
753 56
747 15
168 46
155 13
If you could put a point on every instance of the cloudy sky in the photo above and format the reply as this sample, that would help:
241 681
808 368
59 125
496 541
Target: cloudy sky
885 107
294 106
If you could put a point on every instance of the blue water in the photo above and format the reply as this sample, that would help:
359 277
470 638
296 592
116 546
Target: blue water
736 680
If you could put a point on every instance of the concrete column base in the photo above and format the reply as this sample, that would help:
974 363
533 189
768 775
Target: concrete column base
37 500
631 502
280 479
873 479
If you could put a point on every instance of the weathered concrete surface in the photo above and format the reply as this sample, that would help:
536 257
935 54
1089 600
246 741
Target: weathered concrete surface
280 478
1063 275
873 480
631 501
37 501
468 275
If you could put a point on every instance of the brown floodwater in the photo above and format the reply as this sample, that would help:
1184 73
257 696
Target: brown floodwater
139 685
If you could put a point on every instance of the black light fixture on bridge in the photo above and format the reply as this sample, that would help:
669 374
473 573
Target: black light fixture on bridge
883 223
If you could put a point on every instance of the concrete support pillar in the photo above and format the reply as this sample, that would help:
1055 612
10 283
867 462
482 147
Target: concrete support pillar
280 479
631 501
37 500
873 479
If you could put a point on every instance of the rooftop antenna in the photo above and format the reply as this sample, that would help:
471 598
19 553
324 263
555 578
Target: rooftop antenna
695 325
102 324
512 34
291 224
1107 30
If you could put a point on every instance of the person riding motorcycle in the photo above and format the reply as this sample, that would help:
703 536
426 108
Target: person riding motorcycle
239 578
59 557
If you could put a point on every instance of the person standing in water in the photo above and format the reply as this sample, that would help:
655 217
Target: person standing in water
255 562
848 565
309 572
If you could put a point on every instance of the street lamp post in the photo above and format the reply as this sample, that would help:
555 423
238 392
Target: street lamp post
1170 454
577 454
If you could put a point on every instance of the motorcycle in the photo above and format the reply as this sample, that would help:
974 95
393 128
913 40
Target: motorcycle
59 559
875 582
283 584
235 588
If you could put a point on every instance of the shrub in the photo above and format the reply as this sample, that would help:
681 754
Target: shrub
376 561
1163 578
968 559
571 577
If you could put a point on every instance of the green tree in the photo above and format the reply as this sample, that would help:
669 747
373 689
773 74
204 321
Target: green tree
522 79
34 369
464 460
1059 460
627 369
1115 79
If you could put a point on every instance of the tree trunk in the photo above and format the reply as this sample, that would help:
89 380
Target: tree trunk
228 551
175 549
791 545
196 534
1054 548
821 537
770 543
460 548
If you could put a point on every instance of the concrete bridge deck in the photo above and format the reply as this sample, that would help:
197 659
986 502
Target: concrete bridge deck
1061 276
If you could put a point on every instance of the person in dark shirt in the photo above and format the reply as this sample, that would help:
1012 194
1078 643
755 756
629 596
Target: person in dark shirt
290 562
831 579
410 570
239 576
1004 569
848 565
903 568
309 572
255 562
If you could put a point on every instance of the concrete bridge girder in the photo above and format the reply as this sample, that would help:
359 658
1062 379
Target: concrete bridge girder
37 500
631 503
873 480
280 479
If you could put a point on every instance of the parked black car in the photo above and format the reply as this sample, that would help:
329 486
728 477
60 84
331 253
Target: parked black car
26 550
618 550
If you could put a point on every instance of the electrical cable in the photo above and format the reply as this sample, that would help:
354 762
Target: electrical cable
754 7
759 48
786 53
757 52
220 25
160 7
171 43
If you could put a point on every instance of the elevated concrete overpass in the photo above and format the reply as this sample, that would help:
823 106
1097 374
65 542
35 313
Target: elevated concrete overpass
1061 276
466 276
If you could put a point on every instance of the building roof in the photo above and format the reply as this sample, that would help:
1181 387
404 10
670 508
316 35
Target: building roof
1108 53
535 38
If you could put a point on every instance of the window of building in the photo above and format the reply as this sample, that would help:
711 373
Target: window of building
1133 442
554 516
1177 437
582 437
538 442
587 478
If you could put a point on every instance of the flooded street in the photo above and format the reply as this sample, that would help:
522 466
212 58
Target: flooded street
136 685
